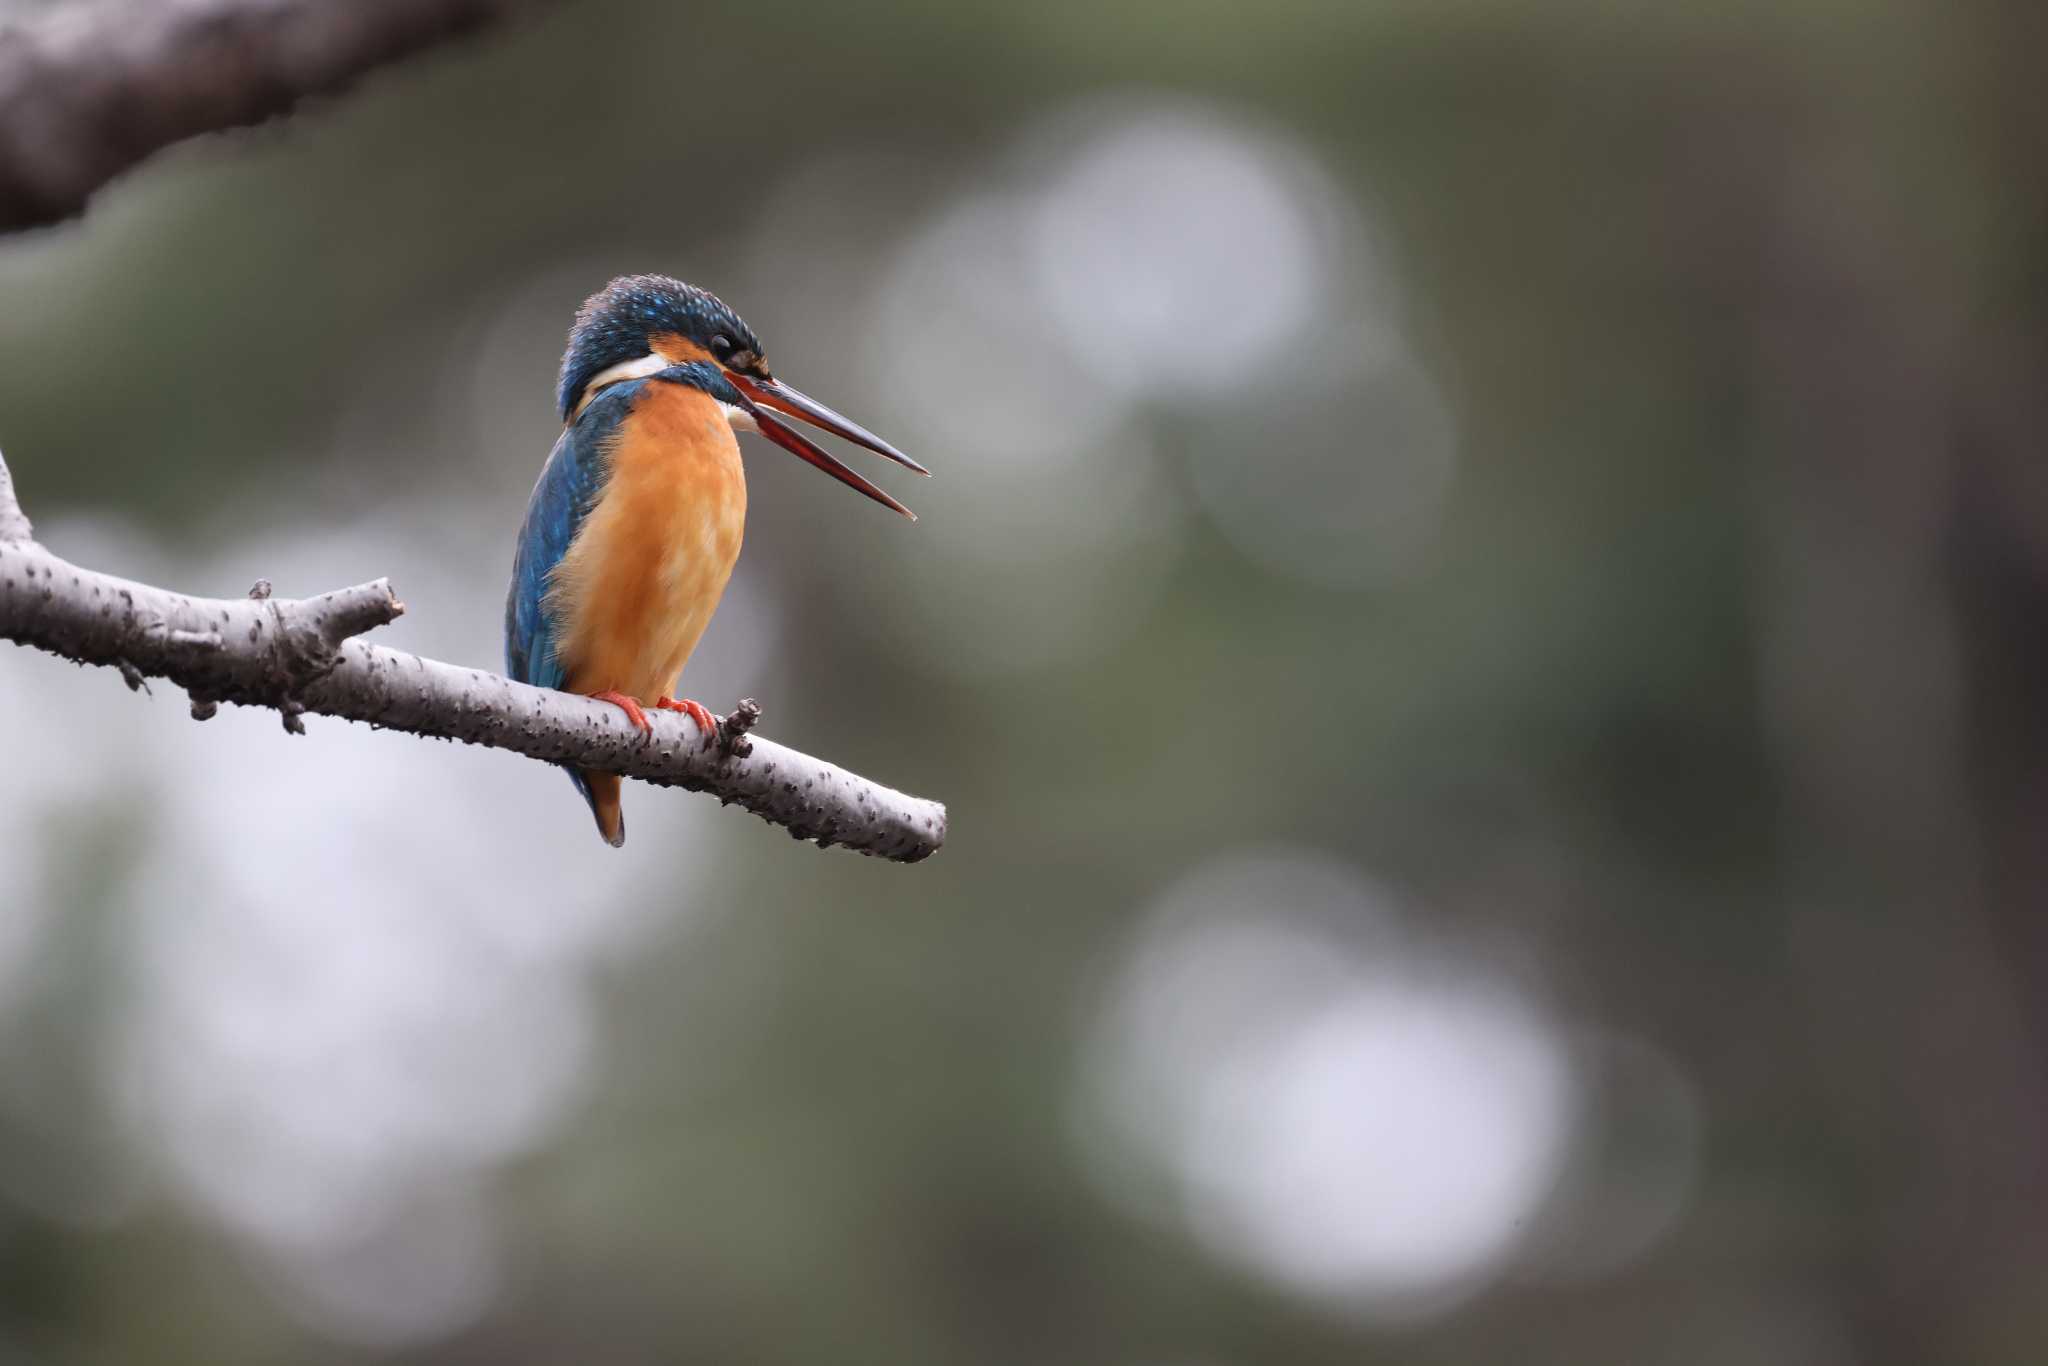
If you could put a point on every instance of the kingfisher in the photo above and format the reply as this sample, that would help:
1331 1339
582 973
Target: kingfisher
635 522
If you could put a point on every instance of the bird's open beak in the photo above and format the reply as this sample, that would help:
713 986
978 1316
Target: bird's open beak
773 393
762 396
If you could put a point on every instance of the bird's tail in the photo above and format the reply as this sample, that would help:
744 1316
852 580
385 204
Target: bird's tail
601 790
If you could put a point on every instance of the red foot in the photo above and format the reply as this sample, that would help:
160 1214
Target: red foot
696 711
630 706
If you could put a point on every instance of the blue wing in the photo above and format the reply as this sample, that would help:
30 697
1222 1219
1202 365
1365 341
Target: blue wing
569 486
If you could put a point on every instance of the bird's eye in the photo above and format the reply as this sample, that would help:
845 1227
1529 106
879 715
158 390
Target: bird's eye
720 344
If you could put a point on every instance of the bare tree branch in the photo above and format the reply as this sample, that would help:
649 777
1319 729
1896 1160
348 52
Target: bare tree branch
88 90
301 655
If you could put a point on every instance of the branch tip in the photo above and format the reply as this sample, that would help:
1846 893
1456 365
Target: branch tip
733 728
14 523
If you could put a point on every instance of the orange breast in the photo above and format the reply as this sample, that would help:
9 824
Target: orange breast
645 572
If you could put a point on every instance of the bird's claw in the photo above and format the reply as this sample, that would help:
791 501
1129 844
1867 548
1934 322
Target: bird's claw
696 711
630 706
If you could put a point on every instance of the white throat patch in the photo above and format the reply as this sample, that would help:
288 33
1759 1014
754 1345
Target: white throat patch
653 363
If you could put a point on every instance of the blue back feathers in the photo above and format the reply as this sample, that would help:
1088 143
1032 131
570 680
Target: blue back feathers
563 496
615 323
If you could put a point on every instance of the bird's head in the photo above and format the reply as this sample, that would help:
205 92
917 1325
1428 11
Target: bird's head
641 325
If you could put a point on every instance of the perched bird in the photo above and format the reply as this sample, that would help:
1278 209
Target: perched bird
635 522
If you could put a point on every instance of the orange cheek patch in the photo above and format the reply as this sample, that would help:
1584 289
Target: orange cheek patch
677 348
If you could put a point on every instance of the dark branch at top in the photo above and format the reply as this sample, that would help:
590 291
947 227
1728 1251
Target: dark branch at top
86 91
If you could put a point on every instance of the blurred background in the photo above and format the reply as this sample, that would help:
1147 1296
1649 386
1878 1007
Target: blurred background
1480 620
